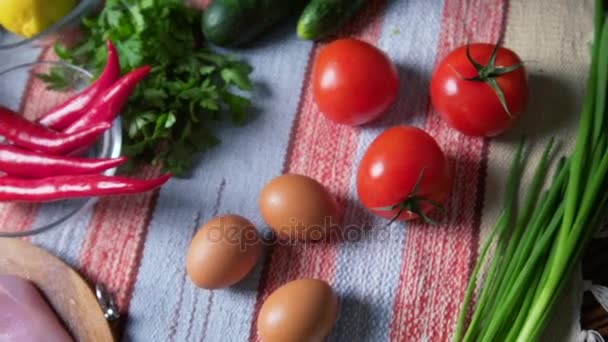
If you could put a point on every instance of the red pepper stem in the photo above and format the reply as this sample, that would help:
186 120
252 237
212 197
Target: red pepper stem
64 114
67 187
17 162
109 104
35 137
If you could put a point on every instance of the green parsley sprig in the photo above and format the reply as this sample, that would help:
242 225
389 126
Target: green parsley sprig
171 116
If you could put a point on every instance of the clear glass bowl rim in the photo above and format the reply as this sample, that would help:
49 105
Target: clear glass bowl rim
111 146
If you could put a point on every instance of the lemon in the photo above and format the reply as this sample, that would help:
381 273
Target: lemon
30 17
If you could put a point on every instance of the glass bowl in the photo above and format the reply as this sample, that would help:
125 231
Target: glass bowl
67 24
17 85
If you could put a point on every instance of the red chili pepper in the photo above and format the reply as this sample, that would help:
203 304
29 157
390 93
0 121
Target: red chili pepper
66 187
17 162
66 113
109 104
36 137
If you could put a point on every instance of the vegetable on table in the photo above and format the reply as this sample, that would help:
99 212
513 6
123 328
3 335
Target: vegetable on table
174 113
108 104
17 162
28 18
64 114
234 22
41 176
353 82
404 175
539 245
480 89
66 187
35 137
323 17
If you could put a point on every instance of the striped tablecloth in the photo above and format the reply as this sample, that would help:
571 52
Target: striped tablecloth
403 283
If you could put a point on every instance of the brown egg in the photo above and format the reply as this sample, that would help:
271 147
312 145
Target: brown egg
298 207
222 252
303 310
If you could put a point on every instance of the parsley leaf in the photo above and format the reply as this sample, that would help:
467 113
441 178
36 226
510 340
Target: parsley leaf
173 114
56 79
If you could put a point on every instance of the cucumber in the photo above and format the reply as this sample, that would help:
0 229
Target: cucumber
323 17
234 22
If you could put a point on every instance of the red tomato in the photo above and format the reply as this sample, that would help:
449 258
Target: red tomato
473 107
393 165
354 82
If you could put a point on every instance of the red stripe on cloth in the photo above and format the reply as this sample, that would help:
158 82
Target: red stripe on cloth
113 247
17 217
324 151
437 260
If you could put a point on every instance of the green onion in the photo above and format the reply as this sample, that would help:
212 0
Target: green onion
500 230
538 247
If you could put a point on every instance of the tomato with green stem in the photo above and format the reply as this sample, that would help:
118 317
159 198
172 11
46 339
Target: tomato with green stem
404 175
480 89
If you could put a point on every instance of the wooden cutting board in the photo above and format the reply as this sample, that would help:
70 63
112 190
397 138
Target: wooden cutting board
64 289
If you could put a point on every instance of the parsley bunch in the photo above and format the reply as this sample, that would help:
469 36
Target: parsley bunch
171 116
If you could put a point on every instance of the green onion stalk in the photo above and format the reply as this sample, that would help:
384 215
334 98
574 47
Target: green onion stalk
538 245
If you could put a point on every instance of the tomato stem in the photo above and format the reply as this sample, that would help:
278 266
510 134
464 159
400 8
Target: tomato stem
413 204
489 72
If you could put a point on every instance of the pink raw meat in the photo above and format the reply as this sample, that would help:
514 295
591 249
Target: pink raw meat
25 315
